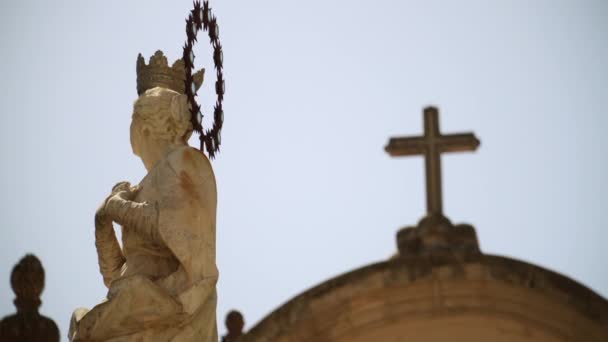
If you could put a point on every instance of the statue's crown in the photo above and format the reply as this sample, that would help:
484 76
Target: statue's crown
158 74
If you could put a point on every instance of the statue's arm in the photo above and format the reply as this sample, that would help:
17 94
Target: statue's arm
109 254
140 217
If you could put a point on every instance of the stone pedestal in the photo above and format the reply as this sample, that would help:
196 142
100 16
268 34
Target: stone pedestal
436 235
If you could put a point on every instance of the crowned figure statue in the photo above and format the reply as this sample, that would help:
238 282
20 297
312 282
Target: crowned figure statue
161 283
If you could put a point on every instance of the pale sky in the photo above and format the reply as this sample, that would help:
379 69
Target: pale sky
314 90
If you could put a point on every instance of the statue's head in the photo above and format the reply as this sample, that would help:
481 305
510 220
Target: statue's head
160 117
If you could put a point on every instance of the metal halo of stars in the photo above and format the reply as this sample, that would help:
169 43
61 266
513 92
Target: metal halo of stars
201 18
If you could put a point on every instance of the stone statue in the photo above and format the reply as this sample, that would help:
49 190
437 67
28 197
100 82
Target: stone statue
27 325
162 281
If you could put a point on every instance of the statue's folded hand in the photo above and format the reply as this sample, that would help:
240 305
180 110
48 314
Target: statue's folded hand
127 195
124 190
141 217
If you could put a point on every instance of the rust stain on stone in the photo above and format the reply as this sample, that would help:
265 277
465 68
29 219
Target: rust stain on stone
186 183
187 156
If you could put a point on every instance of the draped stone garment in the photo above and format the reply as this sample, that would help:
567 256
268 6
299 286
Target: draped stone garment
163 289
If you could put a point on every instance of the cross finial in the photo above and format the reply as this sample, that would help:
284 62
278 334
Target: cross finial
431 145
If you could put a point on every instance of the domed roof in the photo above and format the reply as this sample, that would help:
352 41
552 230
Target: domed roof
472 297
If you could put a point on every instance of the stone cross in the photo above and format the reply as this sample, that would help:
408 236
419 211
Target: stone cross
431 145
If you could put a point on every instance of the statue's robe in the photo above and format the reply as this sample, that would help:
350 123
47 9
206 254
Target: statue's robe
165 290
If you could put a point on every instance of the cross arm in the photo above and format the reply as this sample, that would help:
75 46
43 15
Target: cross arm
405 146
458 142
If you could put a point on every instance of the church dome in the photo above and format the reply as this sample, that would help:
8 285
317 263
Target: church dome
473 297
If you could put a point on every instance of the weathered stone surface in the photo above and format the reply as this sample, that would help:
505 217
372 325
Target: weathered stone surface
470 297
161 283
27 325
436 235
